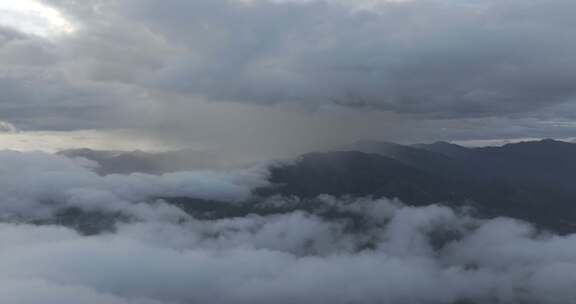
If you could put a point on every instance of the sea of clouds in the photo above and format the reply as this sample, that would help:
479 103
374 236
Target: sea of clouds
344 250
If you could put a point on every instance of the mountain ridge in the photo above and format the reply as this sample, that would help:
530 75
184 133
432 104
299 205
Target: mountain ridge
494 180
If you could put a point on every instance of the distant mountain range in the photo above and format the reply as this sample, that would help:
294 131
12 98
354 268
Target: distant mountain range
533 181
125 162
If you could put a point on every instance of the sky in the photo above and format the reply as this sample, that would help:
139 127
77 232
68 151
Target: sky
272 77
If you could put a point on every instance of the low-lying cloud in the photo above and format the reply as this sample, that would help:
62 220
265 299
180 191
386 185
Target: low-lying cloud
38 184
348 250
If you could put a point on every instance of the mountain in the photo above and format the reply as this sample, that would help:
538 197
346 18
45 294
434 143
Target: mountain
530 181
125 162
423 159
360 174
445 148
545 163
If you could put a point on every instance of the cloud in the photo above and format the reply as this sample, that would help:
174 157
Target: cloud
45 89
436 59
296 257
6 127
40 185
421 70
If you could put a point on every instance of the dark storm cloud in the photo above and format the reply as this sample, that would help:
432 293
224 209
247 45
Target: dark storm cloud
43 89
433 62
438 59
8 34
53 103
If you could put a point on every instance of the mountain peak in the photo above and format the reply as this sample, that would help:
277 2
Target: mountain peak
445 148
546 143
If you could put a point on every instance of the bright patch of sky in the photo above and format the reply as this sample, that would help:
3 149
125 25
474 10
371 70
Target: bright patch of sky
34 17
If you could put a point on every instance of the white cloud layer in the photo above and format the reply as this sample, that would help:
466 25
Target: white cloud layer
292 258
38 184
